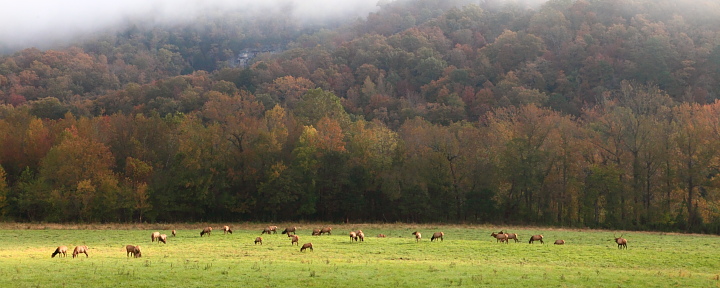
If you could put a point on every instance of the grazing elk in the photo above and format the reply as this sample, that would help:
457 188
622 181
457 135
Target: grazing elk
536 238
269 229
258 240
206 230
295 239
306 246
60 250
134 250
80 249
154 236
353 236
417 236
326 230
163 238
289 229
621 242
316 232
502 237
559 242
226 229
437 235
513 236
361 235
381 236
173 233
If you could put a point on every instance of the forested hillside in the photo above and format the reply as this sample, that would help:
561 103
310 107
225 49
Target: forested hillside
589 113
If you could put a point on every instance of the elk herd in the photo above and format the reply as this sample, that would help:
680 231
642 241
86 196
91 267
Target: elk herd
355 236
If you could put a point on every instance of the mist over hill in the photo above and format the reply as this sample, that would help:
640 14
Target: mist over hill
46 24
588 113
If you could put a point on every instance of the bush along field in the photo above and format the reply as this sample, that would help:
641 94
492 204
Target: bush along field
467 256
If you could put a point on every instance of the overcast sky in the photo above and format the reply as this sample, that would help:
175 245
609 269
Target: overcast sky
27 23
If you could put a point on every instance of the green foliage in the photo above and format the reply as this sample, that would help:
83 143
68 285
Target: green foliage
316 104
3 192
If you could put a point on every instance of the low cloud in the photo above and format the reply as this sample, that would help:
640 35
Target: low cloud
44 23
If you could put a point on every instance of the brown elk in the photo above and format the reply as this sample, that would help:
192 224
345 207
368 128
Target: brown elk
621 242
206 230
316 232
559 242
513 236
417 236
295 239
306 246
536 238
173 233
381 236
60 250
437 235
134 250
80 249
226 229
327 230
258 240
502 237
154 236
361 235
289 229
163 239
353 236
269 229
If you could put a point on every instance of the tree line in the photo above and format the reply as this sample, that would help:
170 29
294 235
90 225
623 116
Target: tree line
639 161
575 113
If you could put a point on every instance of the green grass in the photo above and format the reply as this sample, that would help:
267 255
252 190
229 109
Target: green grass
468 257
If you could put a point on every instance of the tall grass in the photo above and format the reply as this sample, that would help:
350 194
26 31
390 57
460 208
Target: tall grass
467 257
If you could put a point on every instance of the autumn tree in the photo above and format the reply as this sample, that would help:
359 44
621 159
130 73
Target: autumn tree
79 171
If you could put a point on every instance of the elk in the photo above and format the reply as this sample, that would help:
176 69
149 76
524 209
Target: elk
154 236
80 249
381 236
437 235
502 237
621 242
326 230
258 240
269 229
559 242
207 231
417 236
295 240
289 229
173 233
60 250
134 250
353 236
226 229
306 246
512 236
163 238
316 232
361 235
536 238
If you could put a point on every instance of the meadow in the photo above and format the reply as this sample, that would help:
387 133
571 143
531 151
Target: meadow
468 256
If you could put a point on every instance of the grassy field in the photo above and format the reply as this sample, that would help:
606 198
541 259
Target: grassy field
467 257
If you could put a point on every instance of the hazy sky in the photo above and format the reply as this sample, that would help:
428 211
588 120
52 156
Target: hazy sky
28 23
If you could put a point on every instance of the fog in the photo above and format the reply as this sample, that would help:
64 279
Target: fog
45 23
